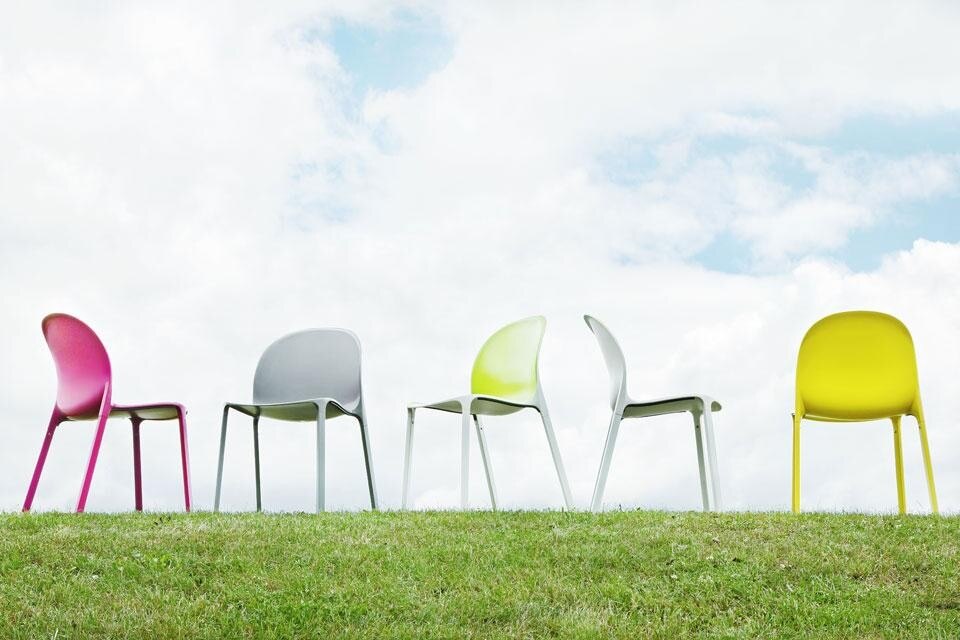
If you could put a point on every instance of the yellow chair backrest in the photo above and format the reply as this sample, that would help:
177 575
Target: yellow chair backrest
857 365
506 366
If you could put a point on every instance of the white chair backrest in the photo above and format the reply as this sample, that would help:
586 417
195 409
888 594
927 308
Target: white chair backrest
316 363
613 357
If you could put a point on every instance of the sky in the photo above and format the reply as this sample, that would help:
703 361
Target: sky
195 181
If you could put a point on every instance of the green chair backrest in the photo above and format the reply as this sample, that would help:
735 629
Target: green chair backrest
506 366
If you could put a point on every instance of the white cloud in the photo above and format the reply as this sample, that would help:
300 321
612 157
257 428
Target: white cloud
193 183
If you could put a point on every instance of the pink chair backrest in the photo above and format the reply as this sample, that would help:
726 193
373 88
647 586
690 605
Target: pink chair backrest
83 367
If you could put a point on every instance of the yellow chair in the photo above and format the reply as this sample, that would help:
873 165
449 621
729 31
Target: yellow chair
854 367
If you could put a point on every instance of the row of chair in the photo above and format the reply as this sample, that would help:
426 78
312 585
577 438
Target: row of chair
852 366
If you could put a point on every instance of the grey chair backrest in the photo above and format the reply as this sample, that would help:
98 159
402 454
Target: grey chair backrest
613 357
316 363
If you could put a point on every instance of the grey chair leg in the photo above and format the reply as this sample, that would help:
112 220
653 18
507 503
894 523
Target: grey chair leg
605 459
256 457
712 457
698 436
407 459
321 456
368 459
485 455
223 442
555 452
465 458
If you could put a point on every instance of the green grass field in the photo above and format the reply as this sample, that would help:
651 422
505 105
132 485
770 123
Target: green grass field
453 575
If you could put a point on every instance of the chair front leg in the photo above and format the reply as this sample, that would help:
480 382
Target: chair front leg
137 476
407 459
368 458
55 419
555 452
223 442
698 435
605 458
184 458
94 449
711 439
321 455
485 455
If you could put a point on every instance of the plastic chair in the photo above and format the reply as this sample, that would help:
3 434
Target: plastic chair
700 407
505 380
859 366
84 392
306 376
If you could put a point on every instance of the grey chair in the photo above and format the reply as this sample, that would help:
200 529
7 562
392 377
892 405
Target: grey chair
306 376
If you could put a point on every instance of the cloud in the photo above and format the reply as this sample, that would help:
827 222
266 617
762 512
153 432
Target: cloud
195 182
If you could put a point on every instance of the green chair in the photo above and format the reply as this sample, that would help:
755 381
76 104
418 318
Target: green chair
505 380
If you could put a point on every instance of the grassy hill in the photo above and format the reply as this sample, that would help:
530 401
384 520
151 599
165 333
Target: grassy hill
453 575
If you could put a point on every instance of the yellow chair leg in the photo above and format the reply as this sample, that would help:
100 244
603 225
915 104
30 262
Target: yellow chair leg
795 502
898 459
927 465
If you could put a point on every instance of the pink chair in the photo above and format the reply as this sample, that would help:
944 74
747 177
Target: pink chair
84 388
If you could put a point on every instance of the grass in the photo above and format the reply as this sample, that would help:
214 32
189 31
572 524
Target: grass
480 575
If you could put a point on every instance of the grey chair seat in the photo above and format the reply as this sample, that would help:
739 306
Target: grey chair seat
303 411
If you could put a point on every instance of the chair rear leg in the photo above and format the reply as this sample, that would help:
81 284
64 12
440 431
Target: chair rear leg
698 436
321 456
256 457
487 467
94 450
407 459
55 419
927 464
605 459
898 464
137 475
795 494
184 458
465 457
223 442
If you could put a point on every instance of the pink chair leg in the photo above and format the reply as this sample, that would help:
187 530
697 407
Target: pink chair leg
184 458
55 421
95 449
137 478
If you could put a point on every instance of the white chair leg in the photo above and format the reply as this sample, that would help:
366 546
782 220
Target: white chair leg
256 456
485 455
605 459
368 459
698 435
321 456
407 460
465 458
555 452
223 442
712 457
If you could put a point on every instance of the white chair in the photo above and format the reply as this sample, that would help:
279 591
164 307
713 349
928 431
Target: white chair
701 407
505 380
310 376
